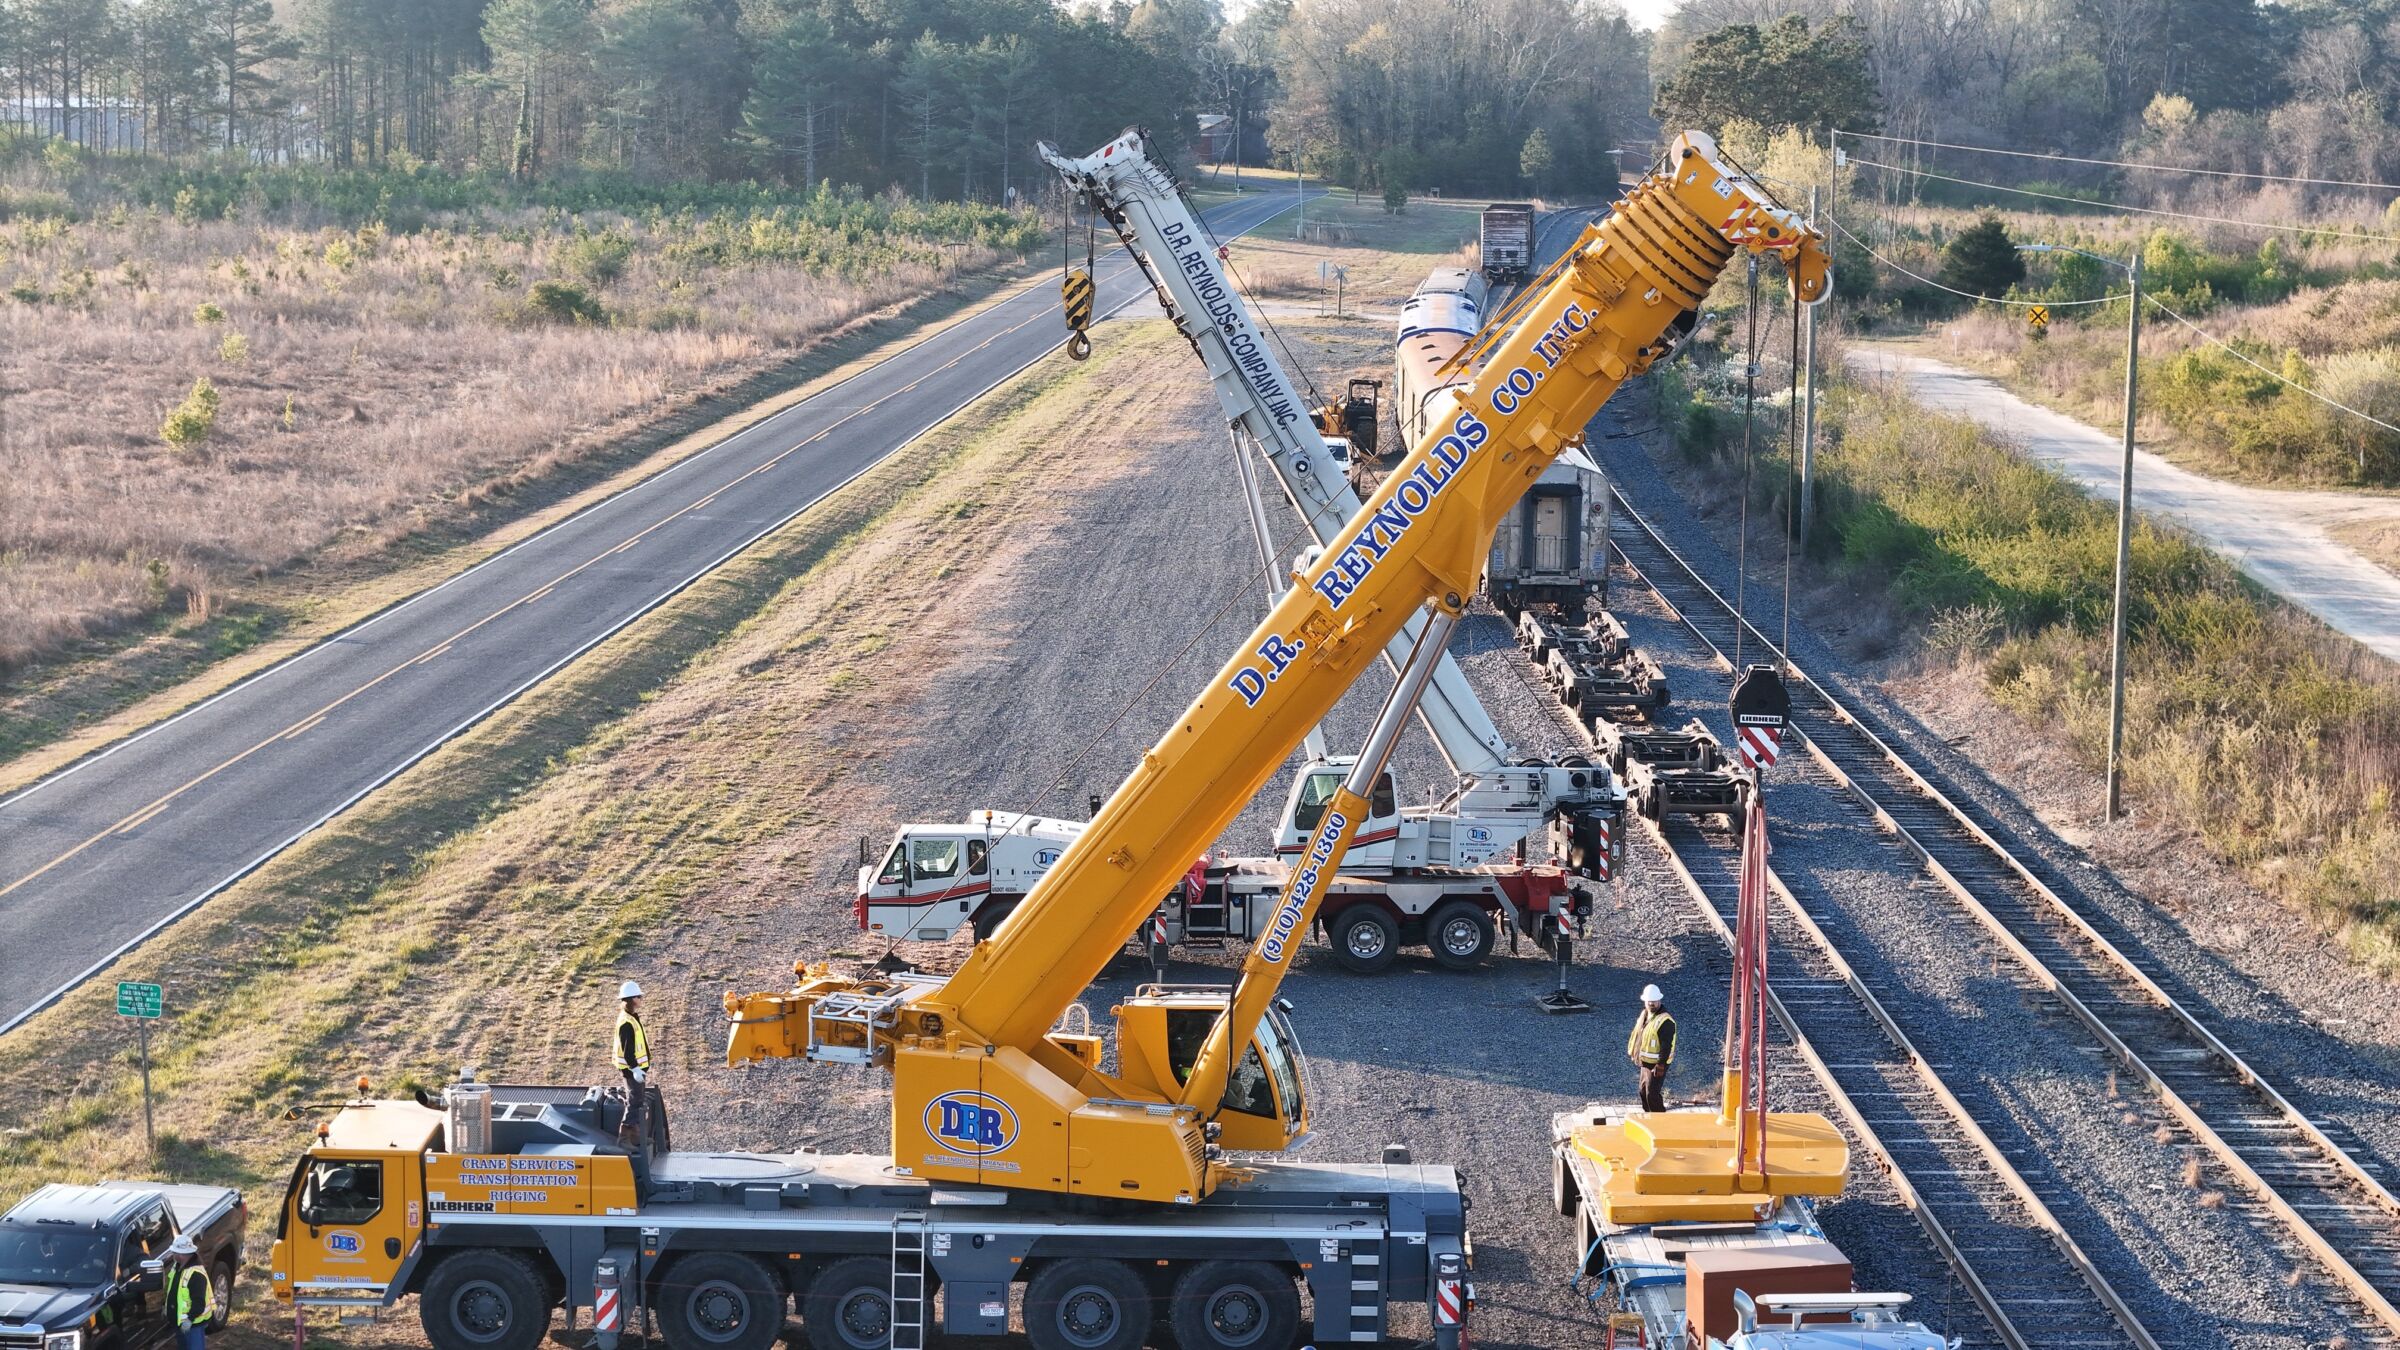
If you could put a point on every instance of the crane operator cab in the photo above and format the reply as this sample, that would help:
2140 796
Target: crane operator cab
1265 1107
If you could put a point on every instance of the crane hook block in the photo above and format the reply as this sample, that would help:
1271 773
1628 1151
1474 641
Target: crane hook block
1760 700
1076 291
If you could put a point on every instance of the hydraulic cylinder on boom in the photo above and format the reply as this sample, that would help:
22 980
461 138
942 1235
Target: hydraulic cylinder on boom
984 1091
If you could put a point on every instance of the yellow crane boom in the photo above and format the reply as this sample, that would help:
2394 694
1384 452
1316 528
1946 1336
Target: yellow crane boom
983 1091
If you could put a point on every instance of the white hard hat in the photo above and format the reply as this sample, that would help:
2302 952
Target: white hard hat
1650 994
182 1246
629 990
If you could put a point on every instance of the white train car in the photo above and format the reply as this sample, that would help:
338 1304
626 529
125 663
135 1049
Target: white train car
1552 550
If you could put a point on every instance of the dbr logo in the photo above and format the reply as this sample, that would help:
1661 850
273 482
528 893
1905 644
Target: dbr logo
342 1241
972 1123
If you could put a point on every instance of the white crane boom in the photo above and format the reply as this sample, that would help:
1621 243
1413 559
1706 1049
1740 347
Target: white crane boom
1139 198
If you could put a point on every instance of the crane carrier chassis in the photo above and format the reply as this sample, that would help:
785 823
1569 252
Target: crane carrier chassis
714 1248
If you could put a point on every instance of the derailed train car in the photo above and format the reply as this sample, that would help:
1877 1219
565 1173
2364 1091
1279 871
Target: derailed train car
1551 550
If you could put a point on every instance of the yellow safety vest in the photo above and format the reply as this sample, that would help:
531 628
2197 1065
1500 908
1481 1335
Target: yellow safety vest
185 1314
1643 1043
641 1043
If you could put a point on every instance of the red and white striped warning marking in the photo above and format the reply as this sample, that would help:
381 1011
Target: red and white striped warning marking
1158 930
1758 745
1446 1303
607 1313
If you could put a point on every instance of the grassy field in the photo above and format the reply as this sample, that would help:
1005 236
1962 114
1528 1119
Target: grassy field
211 379
2261 733
480 909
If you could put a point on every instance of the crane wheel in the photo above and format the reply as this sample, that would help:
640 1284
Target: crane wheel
484 1298
1087 1303
849 1306
1460 933
719 1301
1235 1305
1365 939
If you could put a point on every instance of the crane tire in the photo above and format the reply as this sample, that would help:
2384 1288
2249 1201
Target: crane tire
849 1306
1235 1305
1087 1303
484 1298
1460 934
719 1301
1365 939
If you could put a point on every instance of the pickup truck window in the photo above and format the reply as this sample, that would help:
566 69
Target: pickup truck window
340 1190
64 1257
149 1236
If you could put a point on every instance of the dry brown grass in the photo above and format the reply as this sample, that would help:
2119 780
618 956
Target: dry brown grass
389 379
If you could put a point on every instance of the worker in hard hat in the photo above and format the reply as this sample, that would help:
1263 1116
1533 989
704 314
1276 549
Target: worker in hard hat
632 1050
1651 1047
194 1297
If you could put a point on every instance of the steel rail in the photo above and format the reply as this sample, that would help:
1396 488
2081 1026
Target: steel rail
1925 1210
2372 1194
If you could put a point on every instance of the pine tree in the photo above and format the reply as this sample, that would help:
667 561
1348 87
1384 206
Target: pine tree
239 39
1537 161
1983 259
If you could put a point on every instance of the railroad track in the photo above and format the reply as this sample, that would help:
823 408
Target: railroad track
2339 1210
2033 1284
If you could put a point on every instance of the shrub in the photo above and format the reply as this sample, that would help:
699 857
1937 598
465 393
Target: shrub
208 312
596 259
191 421
1983 259
234 350
558 302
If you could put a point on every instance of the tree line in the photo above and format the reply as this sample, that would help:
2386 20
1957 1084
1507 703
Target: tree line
942 97
2309 88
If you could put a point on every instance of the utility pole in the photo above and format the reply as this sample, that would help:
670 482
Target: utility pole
2115 803
1300 195
2116 642
1808 405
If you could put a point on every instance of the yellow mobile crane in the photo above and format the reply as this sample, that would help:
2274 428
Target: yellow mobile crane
982 1091
1015 1159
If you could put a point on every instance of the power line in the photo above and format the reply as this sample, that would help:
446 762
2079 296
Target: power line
2141 210
1970 295
2124 163
2238 355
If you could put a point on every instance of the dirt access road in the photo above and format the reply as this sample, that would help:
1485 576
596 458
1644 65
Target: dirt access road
2282 539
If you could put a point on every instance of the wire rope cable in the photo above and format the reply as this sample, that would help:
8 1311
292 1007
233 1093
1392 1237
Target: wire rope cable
2124 163
1970 295
2329 232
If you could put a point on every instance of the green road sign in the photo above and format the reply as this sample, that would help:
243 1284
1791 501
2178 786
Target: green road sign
140 1000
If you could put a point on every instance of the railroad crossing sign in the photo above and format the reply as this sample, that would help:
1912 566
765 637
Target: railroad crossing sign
2038 319
141 1000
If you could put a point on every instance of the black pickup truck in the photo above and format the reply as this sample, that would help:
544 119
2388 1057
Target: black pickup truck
86 1267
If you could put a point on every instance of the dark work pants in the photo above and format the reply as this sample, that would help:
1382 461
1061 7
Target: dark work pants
637 1111
1654 1087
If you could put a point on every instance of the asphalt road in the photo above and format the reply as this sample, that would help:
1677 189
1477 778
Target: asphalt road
100 856
2280 537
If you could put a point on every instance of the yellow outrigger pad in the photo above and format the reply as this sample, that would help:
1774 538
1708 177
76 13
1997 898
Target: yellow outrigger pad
1678 1166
